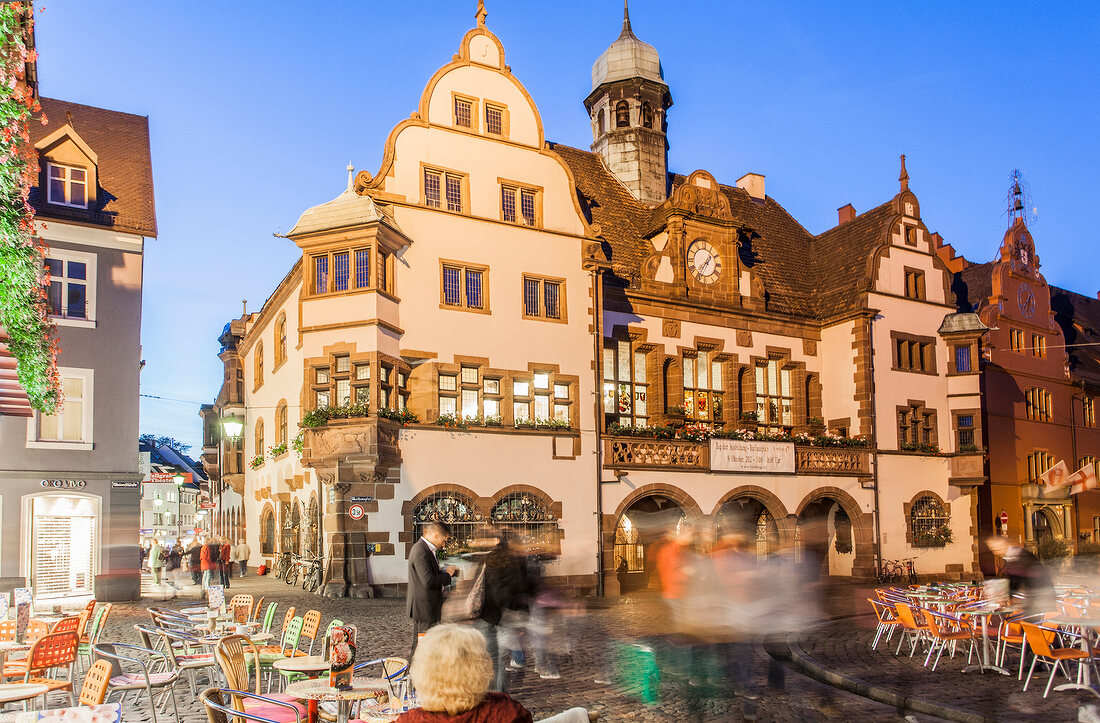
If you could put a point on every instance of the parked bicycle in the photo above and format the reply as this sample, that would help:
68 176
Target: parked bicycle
292 570
283 564
898 570
311 574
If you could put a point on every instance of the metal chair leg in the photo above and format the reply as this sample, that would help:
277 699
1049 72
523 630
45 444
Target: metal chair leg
1053 672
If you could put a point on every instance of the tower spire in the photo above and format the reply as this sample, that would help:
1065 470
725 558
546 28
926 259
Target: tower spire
626 17
904 175
351 176
481 13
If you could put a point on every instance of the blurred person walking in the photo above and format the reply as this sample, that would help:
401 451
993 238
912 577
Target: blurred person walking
243 553
505 594
1027 577
226 557
156 561
208 561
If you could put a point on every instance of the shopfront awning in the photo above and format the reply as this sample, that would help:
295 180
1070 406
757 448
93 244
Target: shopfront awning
13 398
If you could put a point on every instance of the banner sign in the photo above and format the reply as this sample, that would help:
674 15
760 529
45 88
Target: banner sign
735 455
208 505
168 477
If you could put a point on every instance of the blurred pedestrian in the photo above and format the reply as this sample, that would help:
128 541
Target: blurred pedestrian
209 561
1027 577
243 553
194 559
156 561
226 557
505 586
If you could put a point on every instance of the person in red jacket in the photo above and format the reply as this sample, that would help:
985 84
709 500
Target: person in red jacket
208 561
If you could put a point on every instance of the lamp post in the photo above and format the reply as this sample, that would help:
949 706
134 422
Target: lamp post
232 426
178 478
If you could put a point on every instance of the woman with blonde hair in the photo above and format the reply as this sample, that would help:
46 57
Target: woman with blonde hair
451 671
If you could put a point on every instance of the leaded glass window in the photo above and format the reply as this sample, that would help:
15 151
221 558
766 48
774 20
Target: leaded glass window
529 518
703 387
453 509
774 396
625 385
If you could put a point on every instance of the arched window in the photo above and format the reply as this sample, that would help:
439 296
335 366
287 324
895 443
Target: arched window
647 115
259 437
280 424
267 531
929 523
529 518
601 124
453 509
622 114
280 339
258 360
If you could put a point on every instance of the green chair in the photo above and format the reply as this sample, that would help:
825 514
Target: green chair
92 633
269 616
287 648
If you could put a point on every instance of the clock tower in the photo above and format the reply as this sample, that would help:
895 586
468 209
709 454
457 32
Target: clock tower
627 109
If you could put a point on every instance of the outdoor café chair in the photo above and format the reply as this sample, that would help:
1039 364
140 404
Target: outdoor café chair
1039 639
1011 634
67 625
35 630
92 634
215 700
945 628
887 621
153 674
311 623
255 617
187 655
94 691
913 628
269 616
393 670
51 651
237 656
242 599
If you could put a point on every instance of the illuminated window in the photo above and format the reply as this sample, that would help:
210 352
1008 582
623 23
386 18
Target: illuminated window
774 396
703 387
625 385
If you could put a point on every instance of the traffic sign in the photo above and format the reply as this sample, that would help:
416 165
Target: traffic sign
357 512
1004 517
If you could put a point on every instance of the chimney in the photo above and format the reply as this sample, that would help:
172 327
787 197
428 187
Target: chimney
845 213
753 183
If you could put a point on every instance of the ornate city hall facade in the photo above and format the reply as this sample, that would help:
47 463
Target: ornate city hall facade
588 349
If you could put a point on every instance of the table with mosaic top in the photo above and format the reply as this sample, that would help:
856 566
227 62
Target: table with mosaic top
318 689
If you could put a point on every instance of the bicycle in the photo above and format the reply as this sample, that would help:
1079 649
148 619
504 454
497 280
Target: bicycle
292 570
898 570
282 565
311 579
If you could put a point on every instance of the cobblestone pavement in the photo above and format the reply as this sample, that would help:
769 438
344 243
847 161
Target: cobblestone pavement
844 645
596 638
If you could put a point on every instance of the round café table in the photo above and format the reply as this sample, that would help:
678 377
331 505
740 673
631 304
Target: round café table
318 689
983 613
15 692
310 666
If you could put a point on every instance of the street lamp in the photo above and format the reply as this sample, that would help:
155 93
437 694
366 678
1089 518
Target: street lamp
232 426
178 478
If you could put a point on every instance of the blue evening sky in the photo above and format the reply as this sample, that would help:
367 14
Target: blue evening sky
257 107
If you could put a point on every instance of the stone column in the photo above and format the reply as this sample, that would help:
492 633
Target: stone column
335 580
1029 533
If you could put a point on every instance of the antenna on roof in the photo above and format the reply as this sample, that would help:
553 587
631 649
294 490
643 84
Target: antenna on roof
904 175
481 13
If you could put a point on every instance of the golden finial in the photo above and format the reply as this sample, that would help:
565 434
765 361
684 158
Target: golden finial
904 175
481 13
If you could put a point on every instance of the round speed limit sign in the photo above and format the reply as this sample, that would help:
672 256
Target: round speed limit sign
356 512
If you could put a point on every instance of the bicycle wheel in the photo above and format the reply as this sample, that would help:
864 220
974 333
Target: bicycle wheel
313 580
292 575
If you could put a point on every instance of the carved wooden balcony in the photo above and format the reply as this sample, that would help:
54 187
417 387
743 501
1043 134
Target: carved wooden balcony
631 452
680 454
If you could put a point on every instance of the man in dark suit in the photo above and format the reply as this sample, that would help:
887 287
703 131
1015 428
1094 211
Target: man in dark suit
424 601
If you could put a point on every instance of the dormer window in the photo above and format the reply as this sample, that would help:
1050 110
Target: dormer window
67 185
622 114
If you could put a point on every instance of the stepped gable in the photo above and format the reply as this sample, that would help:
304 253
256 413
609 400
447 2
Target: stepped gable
125 168
842 257
1079 317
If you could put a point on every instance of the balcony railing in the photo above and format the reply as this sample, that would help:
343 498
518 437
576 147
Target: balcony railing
679 454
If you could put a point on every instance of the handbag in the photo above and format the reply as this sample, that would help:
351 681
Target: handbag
476 597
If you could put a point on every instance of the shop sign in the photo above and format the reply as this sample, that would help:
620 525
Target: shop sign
208 505
362 499
145 531
735 455
64 484
124 485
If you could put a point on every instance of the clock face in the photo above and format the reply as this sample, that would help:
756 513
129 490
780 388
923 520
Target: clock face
703 262
1026 300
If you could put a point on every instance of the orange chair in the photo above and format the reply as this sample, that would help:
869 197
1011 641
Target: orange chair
53 650
35 630
887 620
943 629
94 691
67 625
7 631
233 653
1039 640
912 627
311 623
256 610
